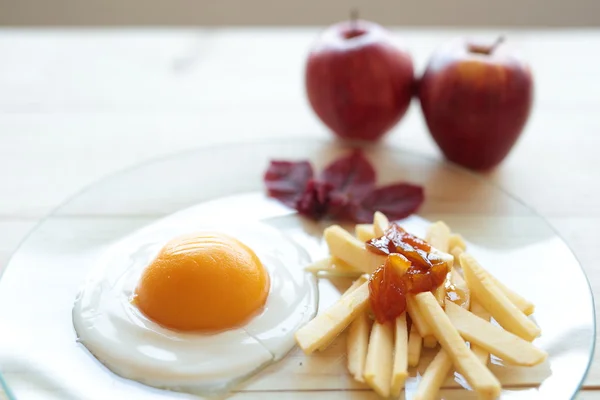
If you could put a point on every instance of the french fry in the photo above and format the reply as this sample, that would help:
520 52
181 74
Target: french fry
415 342
519 301
357 343
493 299
364 232
434 377
479 377
436 373
494 339
456 252
457 280
380 354
457 240
419 322
448 258
430 341
332 266
380 224
351 250
400 368
416 316
355 285
481 353
326 326
358 337
440 294
319 265
423 328
438 235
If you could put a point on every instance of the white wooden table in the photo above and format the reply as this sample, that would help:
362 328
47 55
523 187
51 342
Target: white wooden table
77 105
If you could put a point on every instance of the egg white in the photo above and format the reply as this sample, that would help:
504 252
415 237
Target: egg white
134 347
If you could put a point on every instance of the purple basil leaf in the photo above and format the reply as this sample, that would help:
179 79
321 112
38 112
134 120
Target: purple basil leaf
286 180
314 201
352 176
396 201
339 207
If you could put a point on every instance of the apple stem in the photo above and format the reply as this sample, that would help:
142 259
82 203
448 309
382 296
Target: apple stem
354 18
497 43
486 49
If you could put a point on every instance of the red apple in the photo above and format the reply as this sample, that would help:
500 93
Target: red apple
358 81
476 99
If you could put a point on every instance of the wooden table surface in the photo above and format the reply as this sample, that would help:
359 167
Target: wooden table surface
76 105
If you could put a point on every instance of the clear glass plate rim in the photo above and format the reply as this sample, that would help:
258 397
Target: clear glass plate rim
334 142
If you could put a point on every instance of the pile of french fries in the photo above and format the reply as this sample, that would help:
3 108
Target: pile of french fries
456 316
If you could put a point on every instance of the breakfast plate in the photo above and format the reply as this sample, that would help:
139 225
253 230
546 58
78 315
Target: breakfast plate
222 188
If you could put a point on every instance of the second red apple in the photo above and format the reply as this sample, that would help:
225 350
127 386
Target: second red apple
358 81
476 98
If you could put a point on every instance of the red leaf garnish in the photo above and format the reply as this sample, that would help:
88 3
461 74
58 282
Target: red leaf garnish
396 201
286 180
345 190
340 206
314 201
352 176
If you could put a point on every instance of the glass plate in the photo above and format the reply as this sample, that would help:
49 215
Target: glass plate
39 356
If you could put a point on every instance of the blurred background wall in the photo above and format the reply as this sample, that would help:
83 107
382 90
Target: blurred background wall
534 13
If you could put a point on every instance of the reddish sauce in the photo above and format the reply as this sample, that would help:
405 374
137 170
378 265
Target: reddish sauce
409 268
397 240
387 289
398 234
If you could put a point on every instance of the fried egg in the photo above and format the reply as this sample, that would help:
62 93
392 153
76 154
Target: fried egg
195 311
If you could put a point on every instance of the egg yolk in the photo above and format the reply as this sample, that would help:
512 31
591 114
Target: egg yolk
204 281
